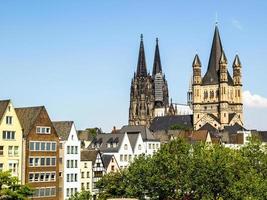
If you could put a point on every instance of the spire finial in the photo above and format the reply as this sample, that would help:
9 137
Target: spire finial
216 19
157 40
141 36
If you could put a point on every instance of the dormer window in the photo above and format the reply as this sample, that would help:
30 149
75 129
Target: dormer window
108 145
43 130
114 145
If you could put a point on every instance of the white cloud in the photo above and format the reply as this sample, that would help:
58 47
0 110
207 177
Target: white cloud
254 100
237 24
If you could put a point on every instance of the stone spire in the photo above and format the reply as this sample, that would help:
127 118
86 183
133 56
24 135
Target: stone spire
157 63
141 64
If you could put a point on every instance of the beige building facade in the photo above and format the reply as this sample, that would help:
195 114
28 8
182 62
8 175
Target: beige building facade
10 140
217 96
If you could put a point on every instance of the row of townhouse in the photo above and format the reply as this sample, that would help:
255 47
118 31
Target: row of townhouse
47 155
126 144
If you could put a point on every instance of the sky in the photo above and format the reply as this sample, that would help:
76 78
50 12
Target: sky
78 57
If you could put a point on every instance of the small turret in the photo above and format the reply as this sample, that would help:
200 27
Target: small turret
196 70
223 68
237 71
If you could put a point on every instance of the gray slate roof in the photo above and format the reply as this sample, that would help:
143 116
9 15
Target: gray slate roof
63 129
104 139
106 159
233 129
145 132
212 75
133 139
3 107
165 122
27 117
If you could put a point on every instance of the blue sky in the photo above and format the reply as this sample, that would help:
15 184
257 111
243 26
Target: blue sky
78 57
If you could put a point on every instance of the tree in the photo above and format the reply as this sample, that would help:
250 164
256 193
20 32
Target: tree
83 195
180 170
11 189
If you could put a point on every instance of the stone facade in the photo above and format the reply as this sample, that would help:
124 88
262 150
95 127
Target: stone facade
217 97
148 92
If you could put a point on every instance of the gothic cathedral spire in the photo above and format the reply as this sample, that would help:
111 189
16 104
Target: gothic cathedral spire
141 64
157 63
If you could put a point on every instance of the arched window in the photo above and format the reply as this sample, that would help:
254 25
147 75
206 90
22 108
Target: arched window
125 147
206 94
211 94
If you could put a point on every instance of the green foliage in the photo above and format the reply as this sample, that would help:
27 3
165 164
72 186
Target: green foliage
83 195
183 171
180 127
11 189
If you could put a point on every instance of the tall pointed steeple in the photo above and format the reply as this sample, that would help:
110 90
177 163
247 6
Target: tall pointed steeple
141 64
157 63
211 76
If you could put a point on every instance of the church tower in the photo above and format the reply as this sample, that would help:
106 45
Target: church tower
148 92
217 97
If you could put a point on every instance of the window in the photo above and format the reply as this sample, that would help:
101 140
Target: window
68 192
98 173
130 157
10 150
125 147
82 174
68 164
72 149
42 177
53 176
31 161
42 161
42 146
139 147
43 130
53 162
36 177
85 165
112 168
68 149
75 177
8 120
125 157
9 135
1 167
88 174
153 146
82 185
31 177
87 185
121 157
53 146
97 164
48 146
1 150
71 163
76 150
45 192
149 146
37 146
31 146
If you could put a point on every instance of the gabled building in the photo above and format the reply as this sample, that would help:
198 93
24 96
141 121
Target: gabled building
41 152
126 144
10 140
110 163
217 96
69 165
92 170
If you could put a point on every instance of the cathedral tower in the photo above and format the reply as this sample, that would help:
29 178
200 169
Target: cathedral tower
217 99
148 92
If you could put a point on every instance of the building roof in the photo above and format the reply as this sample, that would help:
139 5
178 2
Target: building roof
208 127
106 159
101 142
63 128
143 130
233 129
27 117
141 64
263 135
133 139
212 75
89 155
3 107
165 122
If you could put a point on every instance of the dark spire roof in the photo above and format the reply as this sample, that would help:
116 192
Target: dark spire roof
236 62
141 65
196 61
157 63
211 76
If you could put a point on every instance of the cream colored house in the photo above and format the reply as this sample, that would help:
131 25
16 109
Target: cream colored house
10 140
